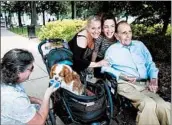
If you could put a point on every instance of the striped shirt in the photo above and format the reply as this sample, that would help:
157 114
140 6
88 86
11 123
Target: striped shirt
101 45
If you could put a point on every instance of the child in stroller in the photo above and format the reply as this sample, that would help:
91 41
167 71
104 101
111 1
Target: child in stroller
96 109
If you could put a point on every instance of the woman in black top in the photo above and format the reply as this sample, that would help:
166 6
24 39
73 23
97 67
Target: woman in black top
82 45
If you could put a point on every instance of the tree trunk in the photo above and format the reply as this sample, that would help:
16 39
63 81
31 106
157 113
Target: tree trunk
73 8
126 18
9 18
43 14
106 6
33 13
6 20
19 19
166 17
58 15
165 26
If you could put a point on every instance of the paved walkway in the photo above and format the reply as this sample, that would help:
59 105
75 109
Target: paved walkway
38 81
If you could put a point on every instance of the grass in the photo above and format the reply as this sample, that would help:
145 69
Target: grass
23 30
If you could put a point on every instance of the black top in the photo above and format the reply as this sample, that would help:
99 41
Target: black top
81 56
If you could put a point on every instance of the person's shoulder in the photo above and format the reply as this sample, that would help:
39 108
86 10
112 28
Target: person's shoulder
137 42
82 33
6 88
101 38
15 90
114 46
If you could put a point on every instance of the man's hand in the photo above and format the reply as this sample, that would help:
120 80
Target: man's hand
103 63
153 85
127 78
131 79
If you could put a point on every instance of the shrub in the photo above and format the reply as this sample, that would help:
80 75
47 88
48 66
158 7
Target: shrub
23 30
140 29
168 33
64 29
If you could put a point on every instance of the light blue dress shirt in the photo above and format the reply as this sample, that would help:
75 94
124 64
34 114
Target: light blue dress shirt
133 60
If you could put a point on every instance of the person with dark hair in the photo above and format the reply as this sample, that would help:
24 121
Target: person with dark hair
107 38
82 45
137 77
17 107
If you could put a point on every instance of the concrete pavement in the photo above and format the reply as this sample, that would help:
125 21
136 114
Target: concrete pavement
38 81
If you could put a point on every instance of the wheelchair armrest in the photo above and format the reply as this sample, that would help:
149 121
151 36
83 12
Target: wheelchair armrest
109 76
111 81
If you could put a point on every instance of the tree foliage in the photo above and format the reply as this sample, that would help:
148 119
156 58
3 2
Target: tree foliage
146 12
151 12
59 8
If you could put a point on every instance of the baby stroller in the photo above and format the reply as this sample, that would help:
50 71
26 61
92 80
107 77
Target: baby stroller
71 108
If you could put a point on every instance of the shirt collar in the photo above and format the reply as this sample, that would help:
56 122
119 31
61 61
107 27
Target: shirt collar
131 44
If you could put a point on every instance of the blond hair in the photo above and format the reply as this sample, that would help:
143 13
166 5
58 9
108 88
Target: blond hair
89 21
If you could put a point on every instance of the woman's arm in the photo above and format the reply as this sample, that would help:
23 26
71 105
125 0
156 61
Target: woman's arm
82 42
97 44
99 64
94 56
41 116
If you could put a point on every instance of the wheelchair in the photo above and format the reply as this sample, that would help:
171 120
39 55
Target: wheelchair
121 103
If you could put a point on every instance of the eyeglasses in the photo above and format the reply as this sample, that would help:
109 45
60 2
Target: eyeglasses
31 69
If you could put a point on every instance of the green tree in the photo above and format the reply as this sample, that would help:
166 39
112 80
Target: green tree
19 7
6 8
42 6
33 13
59 8
73 8
151 12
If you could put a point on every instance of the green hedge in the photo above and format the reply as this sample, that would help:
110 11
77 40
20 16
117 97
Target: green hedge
159 46
23 30
140 29
64 29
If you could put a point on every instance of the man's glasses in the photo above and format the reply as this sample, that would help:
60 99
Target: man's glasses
31 69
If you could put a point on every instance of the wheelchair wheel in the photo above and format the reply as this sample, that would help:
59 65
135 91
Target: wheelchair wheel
109 104
51 118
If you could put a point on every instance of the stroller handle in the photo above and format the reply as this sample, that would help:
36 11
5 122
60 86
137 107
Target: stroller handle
46 41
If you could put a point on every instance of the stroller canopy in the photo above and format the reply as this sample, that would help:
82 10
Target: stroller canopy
59 55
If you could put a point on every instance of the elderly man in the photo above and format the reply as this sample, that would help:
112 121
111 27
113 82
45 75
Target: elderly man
137 77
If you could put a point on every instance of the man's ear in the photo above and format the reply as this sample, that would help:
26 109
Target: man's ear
116 36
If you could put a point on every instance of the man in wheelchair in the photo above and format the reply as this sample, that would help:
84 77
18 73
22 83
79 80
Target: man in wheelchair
137 77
